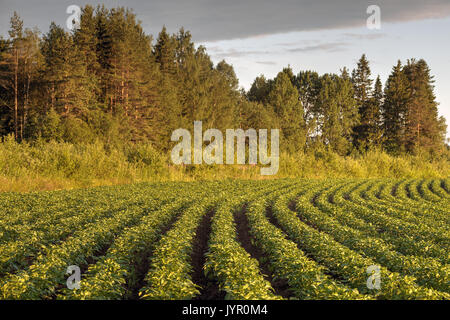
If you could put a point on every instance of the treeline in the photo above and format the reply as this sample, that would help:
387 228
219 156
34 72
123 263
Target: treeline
349 113
110 81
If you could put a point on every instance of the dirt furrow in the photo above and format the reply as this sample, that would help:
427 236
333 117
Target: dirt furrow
209 288
280 286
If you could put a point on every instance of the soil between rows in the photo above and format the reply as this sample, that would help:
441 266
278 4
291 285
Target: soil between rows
142 264
209 288
272 220
280 286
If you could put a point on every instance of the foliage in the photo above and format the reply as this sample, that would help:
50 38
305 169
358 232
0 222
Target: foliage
110 81
318 237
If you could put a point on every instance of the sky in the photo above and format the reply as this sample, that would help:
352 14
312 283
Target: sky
263 36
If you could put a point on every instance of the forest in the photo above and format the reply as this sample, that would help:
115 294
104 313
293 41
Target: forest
110 85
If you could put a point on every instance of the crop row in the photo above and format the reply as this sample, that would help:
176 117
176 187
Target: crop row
345 263
305 277
428 271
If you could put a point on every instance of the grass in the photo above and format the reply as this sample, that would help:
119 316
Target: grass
41 166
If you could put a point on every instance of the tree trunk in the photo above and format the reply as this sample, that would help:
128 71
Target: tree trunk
16 94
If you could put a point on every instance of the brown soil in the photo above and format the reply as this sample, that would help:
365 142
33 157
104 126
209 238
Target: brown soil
272 219
291 204
444 187
280 286
142 263
209 288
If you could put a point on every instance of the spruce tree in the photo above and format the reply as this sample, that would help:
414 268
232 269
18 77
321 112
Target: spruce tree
284 99
363 92
165 52
65 76
424 130
396 95
338 112
259 91
374 114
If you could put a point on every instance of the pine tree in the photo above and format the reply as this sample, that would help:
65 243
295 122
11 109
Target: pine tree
424 130
374 116
10 76
86 39
394 109
284 99
104 57
259 91
31 63
19 63
338 112
363 92
65 75
165 52
308 86
6 98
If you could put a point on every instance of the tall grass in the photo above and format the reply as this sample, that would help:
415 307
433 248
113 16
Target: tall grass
54 165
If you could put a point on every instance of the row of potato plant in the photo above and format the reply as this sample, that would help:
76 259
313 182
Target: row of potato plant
428 271
305 277
344 262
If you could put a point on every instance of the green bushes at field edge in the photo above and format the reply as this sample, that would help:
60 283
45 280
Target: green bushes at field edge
57 165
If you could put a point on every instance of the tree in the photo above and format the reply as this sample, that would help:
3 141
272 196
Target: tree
374 116
394 109
338 112
256 116
51 128
308 87
285 102
259 91
70 89
87 38
363 92
16 33
424 130
11 56
165 52
19 65
31 64
106 80
104 56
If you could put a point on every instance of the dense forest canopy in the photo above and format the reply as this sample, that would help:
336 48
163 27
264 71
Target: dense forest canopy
110 81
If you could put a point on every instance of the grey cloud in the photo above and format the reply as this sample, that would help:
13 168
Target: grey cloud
212 20
369 36
220 53
268 63
313 45
233 53
329 47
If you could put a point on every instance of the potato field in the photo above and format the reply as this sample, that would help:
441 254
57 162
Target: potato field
268 239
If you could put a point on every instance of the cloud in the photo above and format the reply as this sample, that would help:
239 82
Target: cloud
222 53
213 20
329 47
367 36
218 52
268 63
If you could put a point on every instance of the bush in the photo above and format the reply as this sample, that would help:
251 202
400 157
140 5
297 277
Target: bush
53 165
